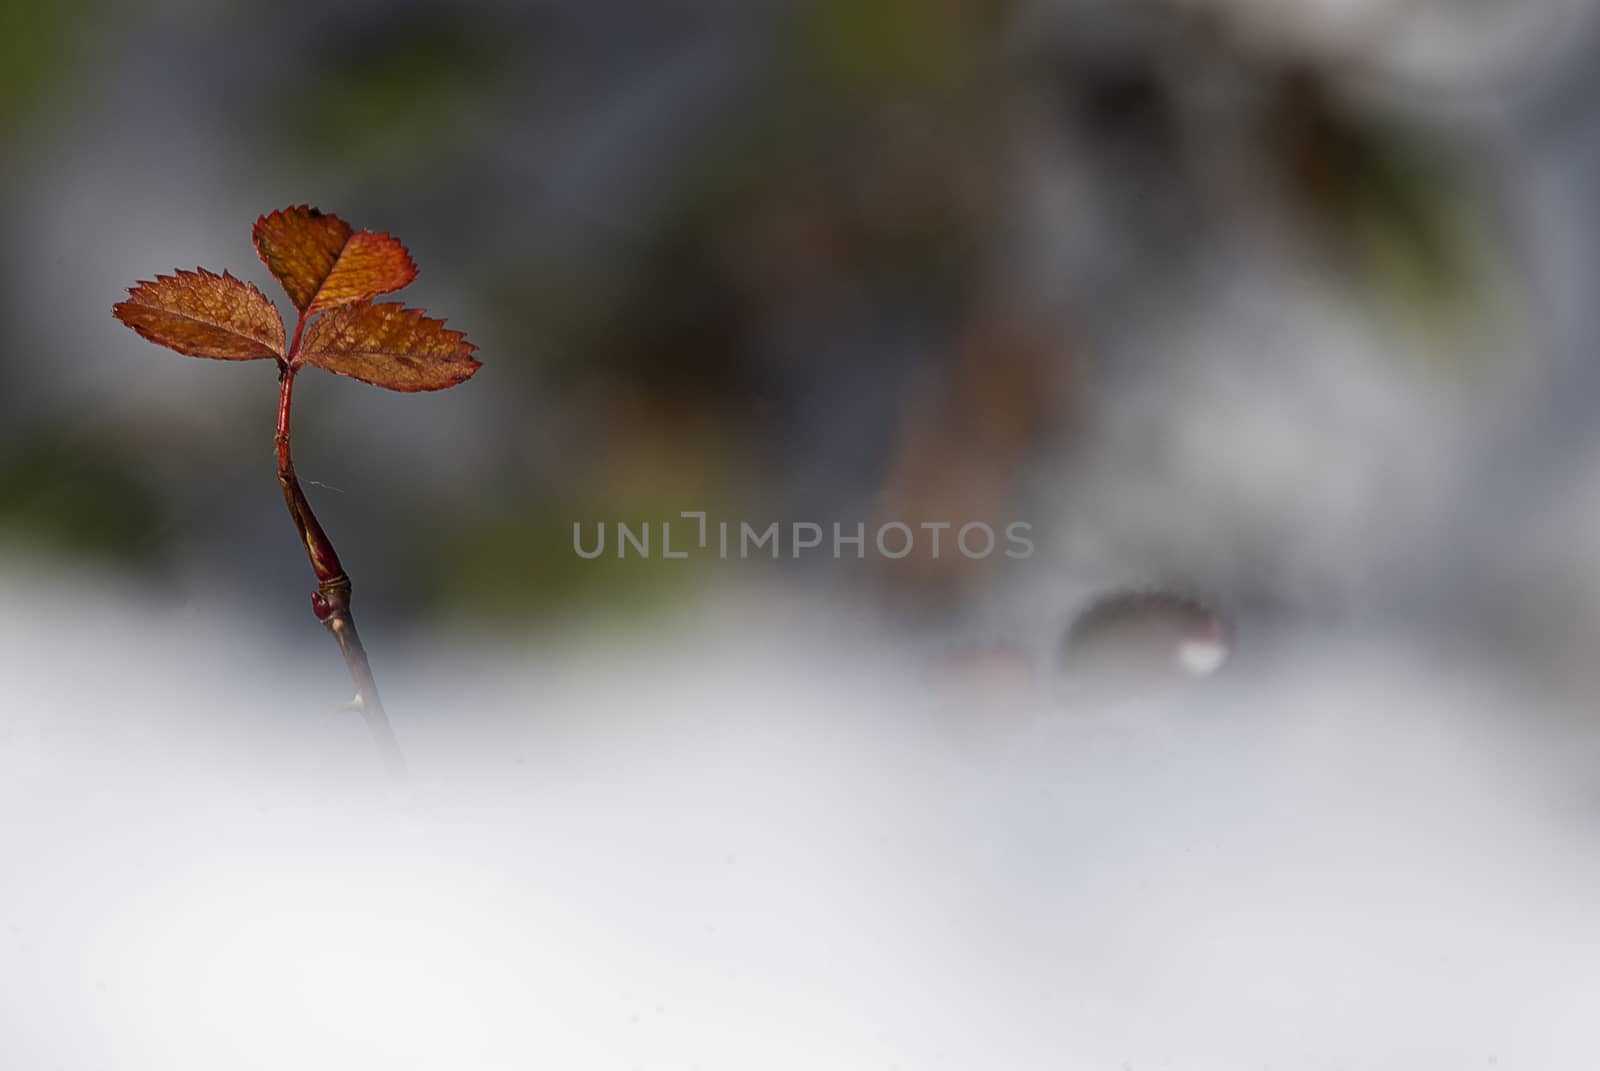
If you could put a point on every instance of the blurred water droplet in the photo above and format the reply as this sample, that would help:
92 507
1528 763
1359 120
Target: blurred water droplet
1145 638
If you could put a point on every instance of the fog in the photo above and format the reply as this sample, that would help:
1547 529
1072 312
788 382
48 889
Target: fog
751 839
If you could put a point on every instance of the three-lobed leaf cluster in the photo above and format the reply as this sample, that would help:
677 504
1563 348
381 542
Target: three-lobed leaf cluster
331 273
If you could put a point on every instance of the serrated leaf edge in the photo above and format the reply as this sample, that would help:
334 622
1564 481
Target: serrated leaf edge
312 309
177 276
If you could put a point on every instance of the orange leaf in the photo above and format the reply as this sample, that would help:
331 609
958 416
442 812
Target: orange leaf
323 263
390 346
204 315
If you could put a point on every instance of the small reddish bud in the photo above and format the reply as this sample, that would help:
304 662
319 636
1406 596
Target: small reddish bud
320 606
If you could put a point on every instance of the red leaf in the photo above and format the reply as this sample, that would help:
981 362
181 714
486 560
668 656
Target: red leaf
389 346
204 315
323 263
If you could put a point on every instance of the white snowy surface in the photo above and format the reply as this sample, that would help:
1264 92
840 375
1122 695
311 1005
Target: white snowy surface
724 845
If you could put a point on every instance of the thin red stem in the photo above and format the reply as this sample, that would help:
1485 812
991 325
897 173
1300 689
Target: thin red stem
331 601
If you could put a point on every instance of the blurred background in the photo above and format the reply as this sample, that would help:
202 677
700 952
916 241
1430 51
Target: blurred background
1284 306
1284 303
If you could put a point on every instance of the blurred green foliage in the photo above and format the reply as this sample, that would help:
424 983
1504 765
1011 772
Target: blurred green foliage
1400 204
80 499
39 55
399 91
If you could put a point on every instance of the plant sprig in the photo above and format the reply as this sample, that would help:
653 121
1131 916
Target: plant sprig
331 273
